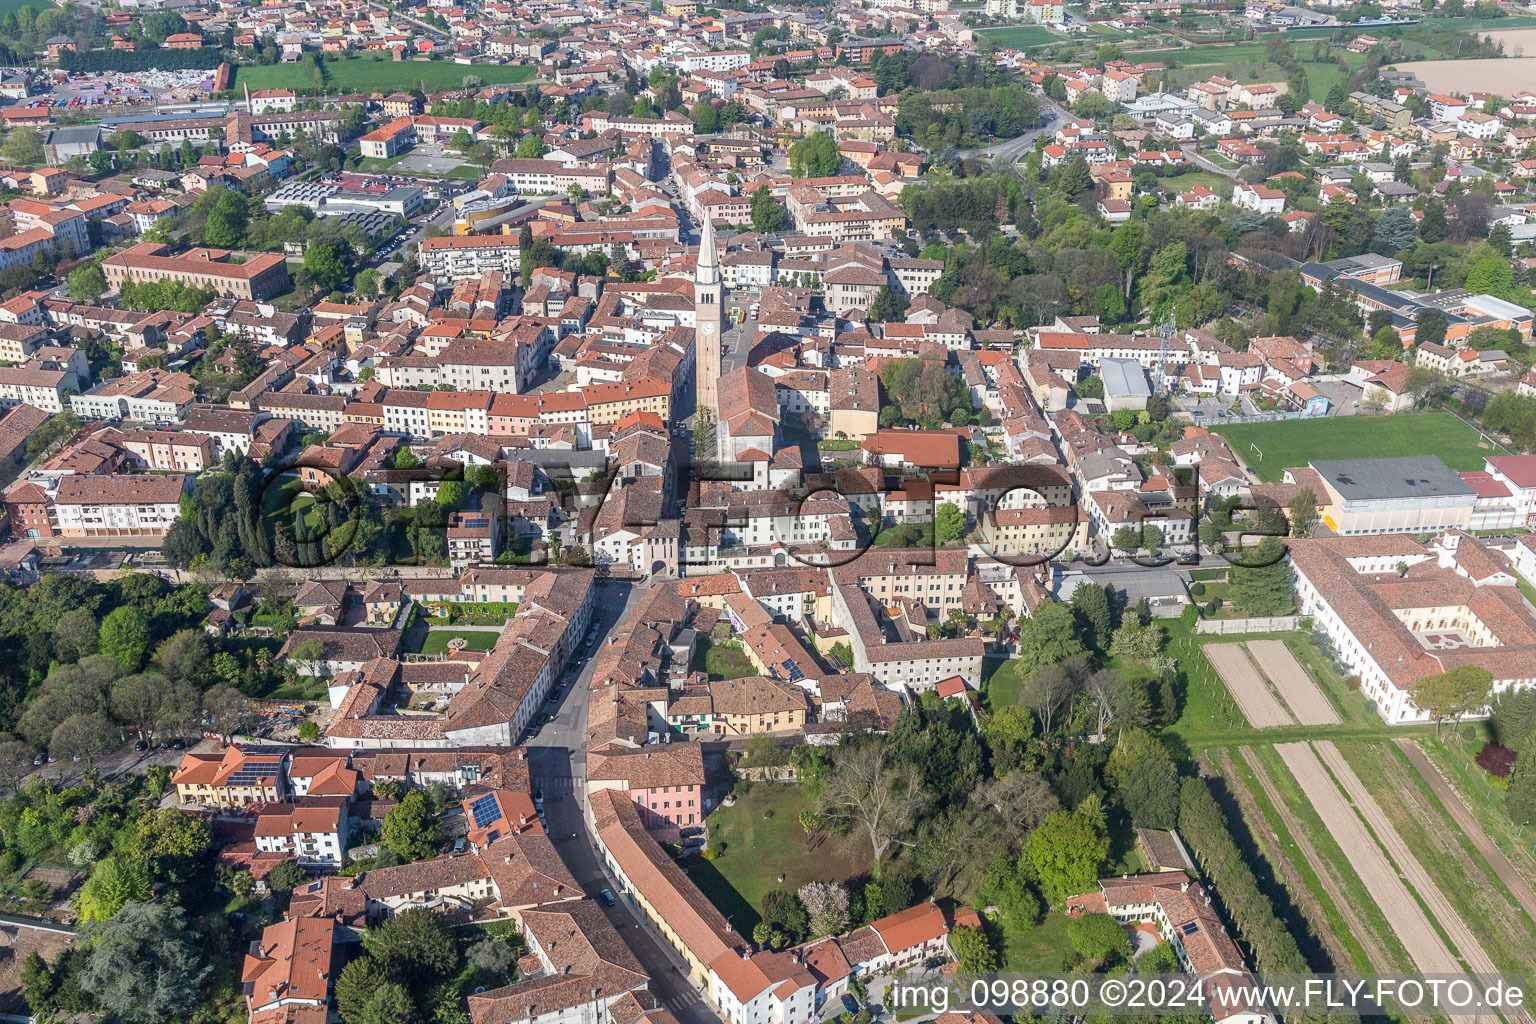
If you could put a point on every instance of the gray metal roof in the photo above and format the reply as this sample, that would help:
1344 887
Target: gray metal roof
1124 377
1415 476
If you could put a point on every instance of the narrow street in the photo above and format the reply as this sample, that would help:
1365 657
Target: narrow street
556 765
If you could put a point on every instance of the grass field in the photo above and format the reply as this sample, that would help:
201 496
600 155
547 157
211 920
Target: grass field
379 74
722 661
1022 37
1249 62
1001 681
762 838
1290 443
436 641
1218 183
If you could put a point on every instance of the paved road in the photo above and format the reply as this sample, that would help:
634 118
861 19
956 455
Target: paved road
1204 164
1014 150
557 765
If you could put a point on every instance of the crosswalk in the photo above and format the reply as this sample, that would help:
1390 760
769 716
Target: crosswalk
554 783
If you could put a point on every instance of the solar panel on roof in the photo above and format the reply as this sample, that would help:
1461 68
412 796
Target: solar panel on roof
1191 927
485 810
793 669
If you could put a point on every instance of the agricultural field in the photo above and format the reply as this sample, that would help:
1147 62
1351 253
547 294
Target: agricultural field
1392 860
380 74
1249 62
1289 443
1022 37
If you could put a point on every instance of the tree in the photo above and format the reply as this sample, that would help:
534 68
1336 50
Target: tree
1064 855
114 883
1453 694
125 636
227 220
1049 636
86 735
815 156
227 708
309 655
1099 937
888 305
143 966
973 950
415 947
1431 327
325 267
768 214
355 986
76 634
87 284
285 876
531 147
493 956
390 1003
827 903
1075 178
1052 686
1261 581
948 523
410 828
1520 798
868 788
24 146
1395 231
1091 606
1303 509
1492 275
170 842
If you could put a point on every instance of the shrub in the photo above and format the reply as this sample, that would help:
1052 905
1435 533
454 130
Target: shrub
1197 590
711 851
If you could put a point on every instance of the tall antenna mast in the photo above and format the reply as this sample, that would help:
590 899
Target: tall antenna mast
1165 345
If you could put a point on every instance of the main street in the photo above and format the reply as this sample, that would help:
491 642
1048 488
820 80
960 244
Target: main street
557 765
1014 150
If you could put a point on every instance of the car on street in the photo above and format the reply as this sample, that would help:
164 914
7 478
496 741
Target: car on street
607 897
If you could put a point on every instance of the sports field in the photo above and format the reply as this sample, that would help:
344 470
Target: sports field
1290 443
380 74
1022 37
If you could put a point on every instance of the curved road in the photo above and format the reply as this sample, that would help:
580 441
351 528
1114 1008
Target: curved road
557 765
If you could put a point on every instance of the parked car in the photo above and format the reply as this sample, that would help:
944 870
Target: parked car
607 897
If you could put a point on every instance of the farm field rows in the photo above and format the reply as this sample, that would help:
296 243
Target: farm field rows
1349 924
1247 686
1427 888
1418 935
1296 688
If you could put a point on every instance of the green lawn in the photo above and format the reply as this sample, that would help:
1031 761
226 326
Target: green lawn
1218 183
762 838
436 641
1022 37
1002 681
722 661
307 688
371 73
1289 443
1039 950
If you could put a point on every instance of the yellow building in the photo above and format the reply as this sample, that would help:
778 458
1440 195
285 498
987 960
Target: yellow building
1047 531
236 778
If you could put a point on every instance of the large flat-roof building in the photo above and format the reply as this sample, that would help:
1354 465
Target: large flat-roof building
1415 494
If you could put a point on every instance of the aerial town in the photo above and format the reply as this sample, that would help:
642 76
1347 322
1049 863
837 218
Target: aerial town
643 512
